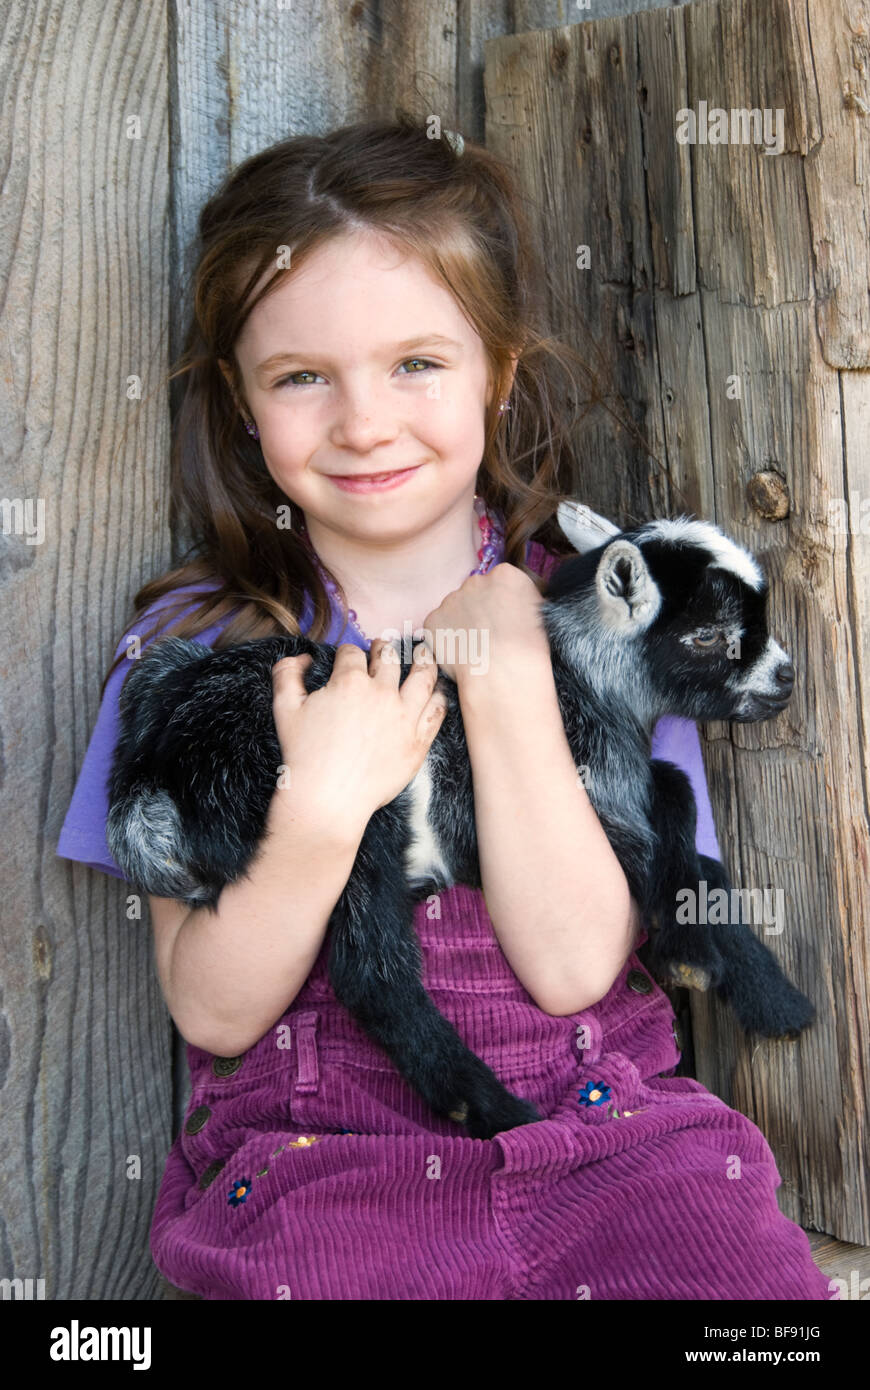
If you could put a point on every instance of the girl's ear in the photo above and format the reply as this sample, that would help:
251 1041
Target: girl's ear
585 529
227 371
509 385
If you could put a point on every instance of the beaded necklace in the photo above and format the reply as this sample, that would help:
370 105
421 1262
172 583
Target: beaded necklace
491 547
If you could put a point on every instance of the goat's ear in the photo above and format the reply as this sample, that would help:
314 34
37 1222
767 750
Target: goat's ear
585 529
627 593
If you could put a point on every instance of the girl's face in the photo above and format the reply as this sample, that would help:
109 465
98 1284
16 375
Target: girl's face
362 363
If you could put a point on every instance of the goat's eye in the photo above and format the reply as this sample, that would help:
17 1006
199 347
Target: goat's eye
708 638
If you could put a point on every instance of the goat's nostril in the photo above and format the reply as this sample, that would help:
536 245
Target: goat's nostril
785 673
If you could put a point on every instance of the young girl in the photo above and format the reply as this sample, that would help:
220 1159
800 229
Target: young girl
368 304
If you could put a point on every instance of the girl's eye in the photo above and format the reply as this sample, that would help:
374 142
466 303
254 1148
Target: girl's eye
424 360
291 379
708 639
285 379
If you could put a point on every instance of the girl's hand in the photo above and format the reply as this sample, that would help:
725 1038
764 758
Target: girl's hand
499 625
355 743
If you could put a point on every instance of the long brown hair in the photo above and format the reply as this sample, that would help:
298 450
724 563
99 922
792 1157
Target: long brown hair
462 214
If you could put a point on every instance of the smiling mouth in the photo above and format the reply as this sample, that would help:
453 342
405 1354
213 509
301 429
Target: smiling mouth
371 477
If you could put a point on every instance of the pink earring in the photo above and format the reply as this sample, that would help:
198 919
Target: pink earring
505 405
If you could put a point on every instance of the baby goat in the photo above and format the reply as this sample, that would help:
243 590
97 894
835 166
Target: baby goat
667 618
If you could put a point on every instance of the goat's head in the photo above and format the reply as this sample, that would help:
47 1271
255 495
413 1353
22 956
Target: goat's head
668 617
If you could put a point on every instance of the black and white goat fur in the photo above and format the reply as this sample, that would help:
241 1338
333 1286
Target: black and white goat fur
667 618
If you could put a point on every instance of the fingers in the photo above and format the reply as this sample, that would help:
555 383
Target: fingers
384 667
349 654
385 664
421 696
287 679
348 659
419 684
432 717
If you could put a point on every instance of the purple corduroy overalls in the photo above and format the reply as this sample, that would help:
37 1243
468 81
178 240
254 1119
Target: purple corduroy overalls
309 1169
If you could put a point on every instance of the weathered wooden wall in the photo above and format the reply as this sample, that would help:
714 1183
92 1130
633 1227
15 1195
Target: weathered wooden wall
84 247
95 221
709 265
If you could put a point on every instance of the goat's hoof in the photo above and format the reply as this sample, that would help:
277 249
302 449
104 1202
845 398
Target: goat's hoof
777 1019
690 976
487 1116
489 1121
478 1100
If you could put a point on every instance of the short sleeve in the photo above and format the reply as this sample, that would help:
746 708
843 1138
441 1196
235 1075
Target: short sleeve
83 833
677 741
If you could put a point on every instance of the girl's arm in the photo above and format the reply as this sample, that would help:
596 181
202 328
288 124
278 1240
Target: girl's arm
554 889
229 973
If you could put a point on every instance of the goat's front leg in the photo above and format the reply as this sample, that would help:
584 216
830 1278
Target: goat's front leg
723 954
682 950
753 983
375 969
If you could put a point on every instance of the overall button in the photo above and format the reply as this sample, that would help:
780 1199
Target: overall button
226 1066
197 1119
211 1172
640 983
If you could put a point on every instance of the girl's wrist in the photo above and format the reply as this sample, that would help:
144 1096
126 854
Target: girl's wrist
332 820
525 677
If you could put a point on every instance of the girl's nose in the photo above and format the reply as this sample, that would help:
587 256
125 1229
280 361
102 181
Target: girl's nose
365 423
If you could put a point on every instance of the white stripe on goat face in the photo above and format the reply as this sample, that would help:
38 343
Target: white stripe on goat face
760 679
726 553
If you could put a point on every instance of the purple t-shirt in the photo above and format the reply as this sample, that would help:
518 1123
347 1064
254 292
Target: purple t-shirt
83 833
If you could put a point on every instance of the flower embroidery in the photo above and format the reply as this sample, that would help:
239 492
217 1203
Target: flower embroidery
594 1093
239 1192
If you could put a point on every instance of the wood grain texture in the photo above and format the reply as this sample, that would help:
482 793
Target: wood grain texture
843 1261
96 235
710 307
837 170
96 246
83 241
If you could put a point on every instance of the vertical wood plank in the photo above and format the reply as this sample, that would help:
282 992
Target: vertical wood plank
95 247
837 171
83 241
705 272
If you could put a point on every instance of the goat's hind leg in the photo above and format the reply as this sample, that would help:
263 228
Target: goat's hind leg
375 969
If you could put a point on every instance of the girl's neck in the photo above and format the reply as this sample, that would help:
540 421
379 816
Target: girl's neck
389 583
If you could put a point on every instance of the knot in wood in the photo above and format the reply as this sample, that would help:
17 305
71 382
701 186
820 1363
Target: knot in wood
767 493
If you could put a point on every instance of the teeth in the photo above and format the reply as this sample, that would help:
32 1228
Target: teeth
374 477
